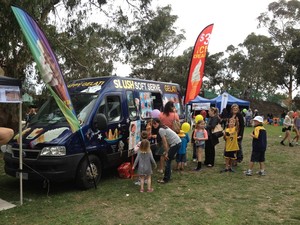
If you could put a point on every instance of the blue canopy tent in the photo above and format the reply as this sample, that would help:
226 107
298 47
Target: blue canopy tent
194 107
200 99
231 100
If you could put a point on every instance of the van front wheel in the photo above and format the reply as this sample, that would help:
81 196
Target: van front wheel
87 175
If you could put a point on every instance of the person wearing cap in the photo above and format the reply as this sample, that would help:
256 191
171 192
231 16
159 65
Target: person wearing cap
259 146
171 143
181 154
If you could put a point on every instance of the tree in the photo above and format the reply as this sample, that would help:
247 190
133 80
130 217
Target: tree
256 72
282 22
151 43
83 49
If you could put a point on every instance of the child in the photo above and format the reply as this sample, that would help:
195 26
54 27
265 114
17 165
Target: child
145 160
193 146
231 144
200 136
259 146
144 135
181 154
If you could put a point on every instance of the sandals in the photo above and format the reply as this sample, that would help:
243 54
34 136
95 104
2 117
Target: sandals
150 190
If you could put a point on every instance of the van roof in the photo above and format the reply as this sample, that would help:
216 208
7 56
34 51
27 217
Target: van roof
95 84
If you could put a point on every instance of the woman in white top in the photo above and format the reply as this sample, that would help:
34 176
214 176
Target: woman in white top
171 143
287 127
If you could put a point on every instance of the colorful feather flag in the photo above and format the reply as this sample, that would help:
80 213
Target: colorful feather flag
47 65
195 76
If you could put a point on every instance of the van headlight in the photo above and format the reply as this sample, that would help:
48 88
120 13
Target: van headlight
53 151
6 148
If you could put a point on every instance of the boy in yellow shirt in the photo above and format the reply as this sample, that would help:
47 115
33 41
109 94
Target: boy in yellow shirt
231 144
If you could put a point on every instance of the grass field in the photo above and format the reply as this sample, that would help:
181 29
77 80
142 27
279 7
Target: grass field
206 197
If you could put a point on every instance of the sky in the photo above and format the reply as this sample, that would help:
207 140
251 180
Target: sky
233 21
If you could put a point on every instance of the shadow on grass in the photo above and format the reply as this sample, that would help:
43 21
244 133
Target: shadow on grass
10 187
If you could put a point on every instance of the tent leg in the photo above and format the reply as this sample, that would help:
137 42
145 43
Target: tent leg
21 154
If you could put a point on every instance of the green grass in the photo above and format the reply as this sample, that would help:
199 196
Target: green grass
206 197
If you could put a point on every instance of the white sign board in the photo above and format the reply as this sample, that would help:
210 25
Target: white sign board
200 106
10 94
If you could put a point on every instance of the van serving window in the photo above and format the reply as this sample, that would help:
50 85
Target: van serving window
146 104
111 107
132 108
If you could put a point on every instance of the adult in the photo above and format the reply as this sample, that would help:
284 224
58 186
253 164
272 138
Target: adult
287 127
248 117
224 118
168 115
157 147
212 140
5 135
171 143
31 113
203 113
255 112
236 114
297 126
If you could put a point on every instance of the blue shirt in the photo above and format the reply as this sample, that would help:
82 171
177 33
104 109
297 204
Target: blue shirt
184 141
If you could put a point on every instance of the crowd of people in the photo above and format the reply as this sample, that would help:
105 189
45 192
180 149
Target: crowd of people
169 144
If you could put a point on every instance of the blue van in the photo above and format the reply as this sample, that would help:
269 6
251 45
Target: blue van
108 109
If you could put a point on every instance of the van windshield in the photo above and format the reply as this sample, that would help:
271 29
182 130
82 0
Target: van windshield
50 112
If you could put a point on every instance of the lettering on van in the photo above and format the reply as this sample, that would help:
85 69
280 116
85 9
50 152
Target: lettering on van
136 85
170 88
86 84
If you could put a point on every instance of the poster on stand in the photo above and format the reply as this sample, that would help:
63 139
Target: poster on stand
9 94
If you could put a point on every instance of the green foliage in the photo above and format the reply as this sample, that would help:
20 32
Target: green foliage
152 43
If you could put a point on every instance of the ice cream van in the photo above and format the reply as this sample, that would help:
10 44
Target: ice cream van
112 111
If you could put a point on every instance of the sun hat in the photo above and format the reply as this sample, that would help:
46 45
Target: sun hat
181 134
259 119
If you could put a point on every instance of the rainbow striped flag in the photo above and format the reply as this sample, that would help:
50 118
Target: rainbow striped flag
47 65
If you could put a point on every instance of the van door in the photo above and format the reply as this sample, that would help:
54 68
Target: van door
115 143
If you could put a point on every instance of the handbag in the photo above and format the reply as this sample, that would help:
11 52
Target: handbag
176 126
217 131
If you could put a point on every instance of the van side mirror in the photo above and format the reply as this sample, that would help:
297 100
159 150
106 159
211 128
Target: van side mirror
99 122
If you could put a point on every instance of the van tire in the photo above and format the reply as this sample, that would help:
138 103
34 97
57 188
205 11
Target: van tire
84 179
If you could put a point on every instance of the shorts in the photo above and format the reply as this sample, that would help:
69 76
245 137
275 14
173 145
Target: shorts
181 158
284 129
231 154
258 156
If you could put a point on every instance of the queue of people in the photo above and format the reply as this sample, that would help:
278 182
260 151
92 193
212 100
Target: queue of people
204 141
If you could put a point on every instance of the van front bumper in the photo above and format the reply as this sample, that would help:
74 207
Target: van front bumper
60 168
